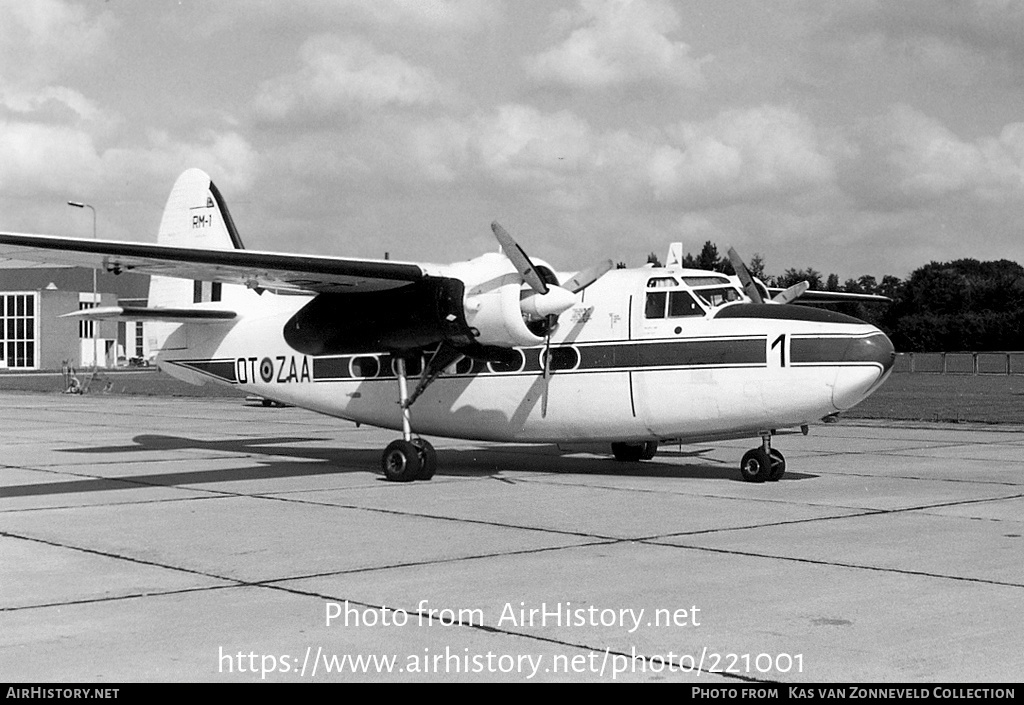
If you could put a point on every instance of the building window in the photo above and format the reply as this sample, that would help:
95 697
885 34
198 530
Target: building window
18 330
140 349
85 328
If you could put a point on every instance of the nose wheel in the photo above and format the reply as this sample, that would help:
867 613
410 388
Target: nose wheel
763 464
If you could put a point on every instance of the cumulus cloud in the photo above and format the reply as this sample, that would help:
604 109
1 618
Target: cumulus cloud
66 161
740 155
520 142
620 43
906 158
42 38
459 15
346 76
46 157
427 16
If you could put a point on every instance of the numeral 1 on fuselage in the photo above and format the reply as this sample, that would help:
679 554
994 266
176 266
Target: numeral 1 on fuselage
780 342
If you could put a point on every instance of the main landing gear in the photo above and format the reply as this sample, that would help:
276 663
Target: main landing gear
405 461
763 463
634 452
408 458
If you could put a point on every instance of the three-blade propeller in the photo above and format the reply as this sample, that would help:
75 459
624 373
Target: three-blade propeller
520 259
547 299
750 287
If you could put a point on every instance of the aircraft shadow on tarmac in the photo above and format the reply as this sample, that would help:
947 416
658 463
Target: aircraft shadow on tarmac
284 459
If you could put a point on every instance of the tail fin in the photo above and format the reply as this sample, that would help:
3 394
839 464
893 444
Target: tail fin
195 216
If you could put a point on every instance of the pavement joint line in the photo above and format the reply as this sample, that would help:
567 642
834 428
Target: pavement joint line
997 483
838 564
906 452
442 561
767 500
116 598
47 467
436 517
857 515
115 556
130 503
522 635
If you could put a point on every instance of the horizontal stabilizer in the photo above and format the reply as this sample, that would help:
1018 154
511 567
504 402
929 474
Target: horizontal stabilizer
142 313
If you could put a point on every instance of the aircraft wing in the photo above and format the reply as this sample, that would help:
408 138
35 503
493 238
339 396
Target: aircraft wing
257 270
812 296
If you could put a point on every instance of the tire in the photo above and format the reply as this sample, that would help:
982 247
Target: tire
778 465
627 452
428 459
650 449
755 466
400 461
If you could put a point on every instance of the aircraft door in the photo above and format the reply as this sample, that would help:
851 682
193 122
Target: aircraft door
663 392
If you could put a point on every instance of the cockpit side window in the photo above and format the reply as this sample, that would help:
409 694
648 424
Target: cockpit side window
671 304
680 303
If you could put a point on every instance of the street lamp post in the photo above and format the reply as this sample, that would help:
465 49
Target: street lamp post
95 353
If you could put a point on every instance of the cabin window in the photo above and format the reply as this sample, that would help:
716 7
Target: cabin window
656 304
515 362
413 366
364 367
462 367
561 358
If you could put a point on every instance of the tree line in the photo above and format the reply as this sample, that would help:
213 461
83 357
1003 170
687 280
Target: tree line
942 306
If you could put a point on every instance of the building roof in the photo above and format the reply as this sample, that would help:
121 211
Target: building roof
127 285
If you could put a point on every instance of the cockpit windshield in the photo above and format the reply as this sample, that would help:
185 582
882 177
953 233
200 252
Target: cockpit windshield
667 299
717 296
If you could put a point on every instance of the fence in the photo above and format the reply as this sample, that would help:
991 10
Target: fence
962 363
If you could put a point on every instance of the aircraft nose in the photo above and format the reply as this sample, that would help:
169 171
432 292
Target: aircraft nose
867 362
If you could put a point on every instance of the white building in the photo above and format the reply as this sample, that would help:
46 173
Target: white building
33 336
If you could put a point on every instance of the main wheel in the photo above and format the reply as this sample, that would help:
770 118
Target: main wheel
400 461
756 466
778 464
628 452
650 449
428 458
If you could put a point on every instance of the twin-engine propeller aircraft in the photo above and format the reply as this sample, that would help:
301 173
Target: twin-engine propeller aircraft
499 348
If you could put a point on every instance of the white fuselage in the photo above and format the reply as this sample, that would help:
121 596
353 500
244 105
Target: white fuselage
620 370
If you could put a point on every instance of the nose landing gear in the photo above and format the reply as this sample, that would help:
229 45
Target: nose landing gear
763 463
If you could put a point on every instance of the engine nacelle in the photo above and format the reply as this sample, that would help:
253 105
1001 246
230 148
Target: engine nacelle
477 304
495 316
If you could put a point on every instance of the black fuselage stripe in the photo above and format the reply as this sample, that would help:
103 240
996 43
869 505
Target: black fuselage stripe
703 353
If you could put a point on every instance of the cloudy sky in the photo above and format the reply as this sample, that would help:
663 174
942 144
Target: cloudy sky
854 137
